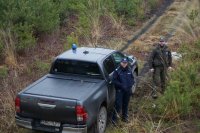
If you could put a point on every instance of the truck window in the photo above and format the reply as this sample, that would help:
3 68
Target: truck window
117 58
109 65
76 67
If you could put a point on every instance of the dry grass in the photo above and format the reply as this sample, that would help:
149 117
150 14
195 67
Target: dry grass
117 22
9 45
7 111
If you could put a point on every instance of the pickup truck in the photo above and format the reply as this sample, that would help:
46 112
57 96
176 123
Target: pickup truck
75 96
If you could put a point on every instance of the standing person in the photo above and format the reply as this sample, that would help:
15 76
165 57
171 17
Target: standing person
160 61
123 80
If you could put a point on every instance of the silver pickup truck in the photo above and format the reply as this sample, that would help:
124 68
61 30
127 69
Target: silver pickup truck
75 96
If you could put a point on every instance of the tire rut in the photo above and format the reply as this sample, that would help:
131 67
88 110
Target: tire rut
144 29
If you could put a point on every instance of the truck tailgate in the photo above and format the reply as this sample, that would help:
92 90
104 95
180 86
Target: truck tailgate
50 109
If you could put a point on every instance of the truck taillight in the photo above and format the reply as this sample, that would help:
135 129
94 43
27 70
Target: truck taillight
17 104
81 114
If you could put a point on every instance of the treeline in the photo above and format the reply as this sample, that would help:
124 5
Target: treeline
23 21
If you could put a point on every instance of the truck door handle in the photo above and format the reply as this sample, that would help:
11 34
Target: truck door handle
46 105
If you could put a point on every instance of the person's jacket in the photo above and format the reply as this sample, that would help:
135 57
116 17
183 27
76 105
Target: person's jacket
160 57
123 78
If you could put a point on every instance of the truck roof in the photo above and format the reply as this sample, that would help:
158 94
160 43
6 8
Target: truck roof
86 54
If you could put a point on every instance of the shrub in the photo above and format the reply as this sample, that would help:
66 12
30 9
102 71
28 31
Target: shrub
45 16
28 19
126 7
24 35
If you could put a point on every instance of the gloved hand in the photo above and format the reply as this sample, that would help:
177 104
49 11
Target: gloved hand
151 70
170 68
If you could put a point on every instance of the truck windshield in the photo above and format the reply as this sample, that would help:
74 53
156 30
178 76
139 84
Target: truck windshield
76 67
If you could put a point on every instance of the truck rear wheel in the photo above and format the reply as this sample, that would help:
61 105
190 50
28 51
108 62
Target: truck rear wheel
101 120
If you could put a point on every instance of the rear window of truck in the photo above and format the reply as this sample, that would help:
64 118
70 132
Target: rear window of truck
76 67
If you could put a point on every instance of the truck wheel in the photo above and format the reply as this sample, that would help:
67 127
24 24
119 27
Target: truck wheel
135 80
101 120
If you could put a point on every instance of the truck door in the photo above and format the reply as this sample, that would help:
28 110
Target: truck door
109 67
117 56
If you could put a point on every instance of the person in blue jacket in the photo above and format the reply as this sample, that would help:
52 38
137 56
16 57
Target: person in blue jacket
123 81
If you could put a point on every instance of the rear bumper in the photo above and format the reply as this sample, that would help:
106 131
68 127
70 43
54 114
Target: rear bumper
65 128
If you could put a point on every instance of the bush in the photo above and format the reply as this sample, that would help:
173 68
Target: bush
28 19
24 35
45 15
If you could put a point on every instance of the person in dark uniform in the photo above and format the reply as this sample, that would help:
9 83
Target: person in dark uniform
160 61
123 80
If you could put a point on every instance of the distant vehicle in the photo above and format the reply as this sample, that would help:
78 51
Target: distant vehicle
75 96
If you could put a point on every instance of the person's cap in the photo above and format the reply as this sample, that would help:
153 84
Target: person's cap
124 60
162 39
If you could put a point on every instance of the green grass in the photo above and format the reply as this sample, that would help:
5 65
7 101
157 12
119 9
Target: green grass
41 66
3 72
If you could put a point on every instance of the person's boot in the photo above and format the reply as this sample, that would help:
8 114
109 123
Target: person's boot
162 89
154 95
114 122
126 120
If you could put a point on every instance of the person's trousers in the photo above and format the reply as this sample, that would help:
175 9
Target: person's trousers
159 75
121 104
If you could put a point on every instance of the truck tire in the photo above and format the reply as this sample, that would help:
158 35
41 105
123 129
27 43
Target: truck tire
101 121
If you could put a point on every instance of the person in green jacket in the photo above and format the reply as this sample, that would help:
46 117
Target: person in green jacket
160 61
